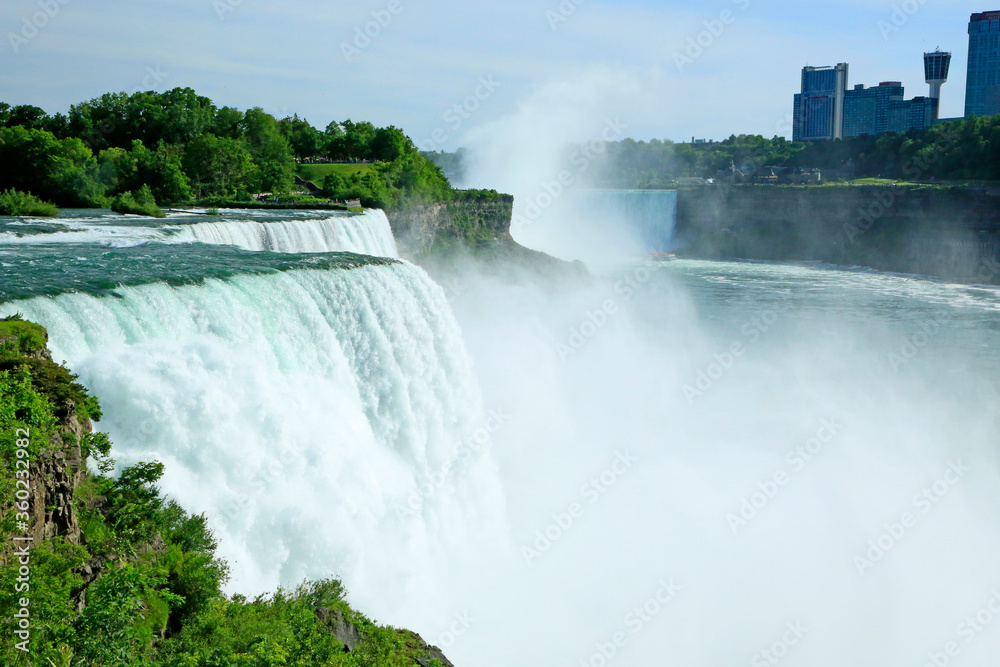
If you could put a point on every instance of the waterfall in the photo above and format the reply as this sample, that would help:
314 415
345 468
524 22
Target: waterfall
303 411
651 214
598 225
367 234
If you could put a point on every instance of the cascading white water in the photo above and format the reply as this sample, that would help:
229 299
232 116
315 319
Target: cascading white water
368 233
302 411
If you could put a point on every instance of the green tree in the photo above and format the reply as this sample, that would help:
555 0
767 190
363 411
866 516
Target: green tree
306 141
228 123
389 143
64 171
30 117
270 151
218 167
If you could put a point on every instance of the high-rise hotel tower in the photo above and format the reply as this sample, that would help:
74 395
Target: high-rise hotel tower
982 91
819 108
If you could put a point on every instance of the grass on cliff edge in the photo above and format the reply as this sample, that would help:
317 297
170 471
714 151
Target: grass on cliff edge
18 337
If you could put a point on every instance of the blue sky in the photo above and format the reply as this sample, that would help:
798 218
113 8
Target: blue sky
614 59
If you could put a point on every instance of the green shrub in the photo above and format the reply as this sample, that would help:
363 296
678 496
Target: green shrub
17 203
18 337
139 203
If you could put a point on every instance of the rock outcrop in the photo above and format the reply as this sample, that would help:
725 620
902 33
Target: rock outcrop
472 218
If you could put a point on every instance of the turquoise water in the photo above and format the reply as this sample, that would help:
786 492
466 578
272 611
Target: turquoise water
37 269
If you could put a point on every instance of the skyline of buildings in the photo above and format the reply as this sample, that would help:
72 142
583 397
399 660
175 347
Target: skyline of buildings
826 109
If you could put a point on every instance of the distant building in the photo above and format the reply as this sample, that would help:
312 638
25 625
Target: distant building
825 109
917 113
866 110
982 89
819 108
936 67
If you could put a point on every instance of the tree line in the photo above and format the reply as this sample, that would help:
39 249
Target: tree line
182 147
960 150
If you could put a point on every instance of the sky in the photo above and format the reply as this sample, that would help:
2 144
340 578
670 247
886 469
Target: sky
447 70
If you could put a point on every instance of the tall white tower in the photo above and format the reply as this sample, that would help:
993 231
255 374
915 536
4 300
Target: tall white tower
936 66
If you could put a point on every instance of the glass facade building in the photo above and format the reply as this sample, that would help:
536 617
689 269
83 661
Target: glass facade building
819 108
936 66
866 110
982 92
912 114
826 109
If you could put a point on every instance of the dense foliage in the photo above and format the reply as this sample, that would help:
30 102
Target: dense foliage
141 202
959 150
14 202
181 145
143 589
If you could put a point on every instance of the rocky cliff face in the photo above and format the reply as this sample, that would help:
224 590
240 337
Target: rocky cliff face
472 218
58 469
953 233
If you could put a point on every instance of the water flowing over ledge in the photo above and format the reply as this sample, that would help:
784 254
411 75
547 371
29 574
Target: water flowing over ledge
367 233
304 402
